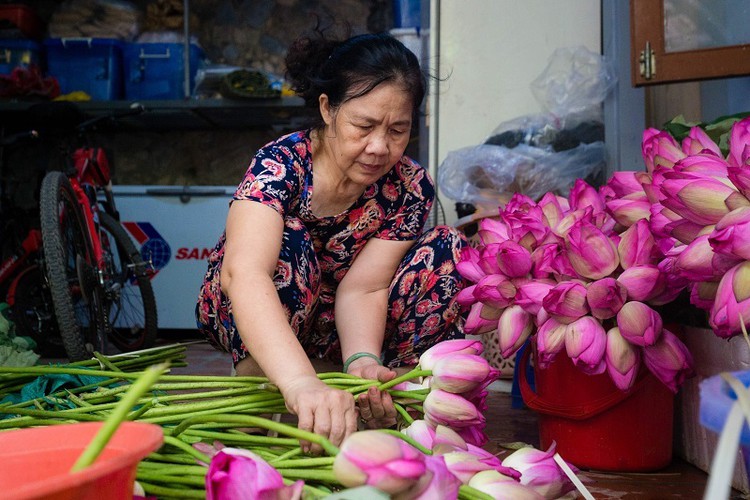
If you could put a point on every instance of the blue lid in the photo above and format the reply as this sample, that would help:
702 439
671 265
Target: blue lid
83 42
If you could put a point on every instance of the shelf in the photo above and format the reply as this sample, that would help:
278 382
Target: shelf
194 114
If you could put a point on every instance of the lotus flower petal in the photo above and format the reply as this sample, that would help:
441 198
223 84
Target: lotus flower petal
585 343
513 260
639 324
732 305
605 297
550 340
659 148
514 327
540 472
566 301
449 347
437 482
698 141
669 360
637 245
591 252
739 143
459 373
623 360
452 410
731 236
236 473
643 283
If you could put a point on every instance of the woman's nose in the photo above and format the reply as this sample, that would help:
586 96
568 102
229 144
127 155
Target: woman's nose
378 144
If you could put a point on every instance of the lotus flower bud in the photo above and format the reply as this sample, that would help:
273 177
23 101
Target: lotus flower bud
699 262
514 327
459 373
465 297
669 360
698 141
452 410
421 432
605 297
488 258
703 294
731 236
639 324
702 200
592 254
468 264
732 305
551 260
739 143
531 294
553 207
493 230
475 436
630 209
642 283
495 290
637 245
566 301
540 472
437 482
509 489
623 360
659 148
447 440
550 339
464 465
513 260
481 318
622 183
583 195
585 343
376 459
428 358
236 473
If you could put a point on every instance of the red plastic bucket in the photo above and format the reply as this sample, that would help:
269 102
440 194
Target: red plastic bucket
596 425
36 462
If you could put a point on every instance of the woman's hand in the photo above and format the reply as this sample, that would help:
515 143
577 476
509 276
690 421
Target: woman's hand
321 409
376 409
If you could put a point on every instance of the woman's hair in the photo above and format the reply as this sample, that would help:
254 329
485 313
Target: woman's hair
351 68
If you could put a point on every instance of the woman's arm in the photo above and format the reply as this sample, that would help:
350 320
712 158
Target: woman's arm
253 240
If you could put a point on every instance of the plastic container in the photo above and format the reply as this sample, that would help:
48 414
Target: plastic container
411 38
16 52
91 65
37 461
157 70
20 19
407 13
595 424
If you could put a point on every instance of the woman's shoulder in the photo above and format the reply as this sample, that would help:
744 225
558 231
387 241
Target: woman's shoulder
295 144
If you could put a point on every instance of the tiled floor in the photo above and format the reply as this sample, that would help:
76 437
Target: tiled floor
508 425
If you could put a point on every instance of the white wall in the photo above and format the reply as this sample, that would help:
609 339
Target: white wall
489 52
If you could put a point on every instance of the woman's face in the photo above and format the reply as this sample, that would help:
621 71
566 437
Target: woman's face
367 135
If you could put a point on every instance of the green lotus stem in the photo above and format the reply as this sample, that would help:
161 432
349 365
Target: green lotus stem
362 387
243 438
23 422
404 414
414 395
166 492
415 373
192 480
264 399
303 462
468 493
52 414
289 454
326 476
172 458
136 414
408 439
178 443
253 421
107 430
178 417
106 362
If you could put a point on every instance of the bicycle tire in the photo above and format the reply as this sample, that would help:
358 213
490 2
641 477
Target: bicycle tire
129 296
33 313
69 264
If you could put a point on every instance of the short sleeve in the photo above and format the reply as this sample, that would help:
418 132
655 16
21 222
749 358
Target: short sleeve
273 178
417 193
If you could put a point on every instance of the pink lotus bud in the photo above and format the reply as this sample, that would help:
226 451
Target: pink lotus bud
540 471
444 408
583 195
551 260
739 143
437 482
585 342
447 440
623 360
421 432
659 149
513 260
481 319
675 283
464 465
669 360
566 301
488 258
592 254
495 290
553 207
630 209
703 165
486 477
622 183
699 262
637 245
509 489
493 461
605 297
475 435
447 348
468 265
465 297
731 236
514 327
531 294
493 230
236 473
550 339
698 141
732 305
459 373
642 283
381 460
703 294
639 324
702 200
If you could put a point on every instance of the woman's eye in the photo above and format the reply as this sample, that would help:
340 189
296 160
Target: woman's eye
364 127
397 131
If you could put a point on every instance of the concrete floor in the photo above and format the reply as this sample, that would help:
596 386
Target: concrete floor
509 425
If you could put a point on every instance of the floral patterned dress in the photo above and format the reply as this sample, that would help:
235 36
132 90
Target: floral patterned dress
317 252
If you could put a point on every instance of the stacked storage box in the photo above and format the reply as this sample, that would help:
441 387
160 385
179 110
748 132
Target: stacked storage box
157 70
90 65
20 28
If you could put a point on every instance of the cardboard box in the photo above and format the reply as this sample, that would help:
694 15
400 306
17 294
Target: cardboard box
712 355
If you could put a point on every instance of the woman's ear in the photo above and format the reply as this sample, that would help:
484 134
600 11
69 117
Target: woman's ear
325 109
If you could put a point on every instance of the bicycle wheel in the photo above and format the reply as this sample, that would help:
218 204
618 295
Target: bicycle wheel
128 294
70 268
33 313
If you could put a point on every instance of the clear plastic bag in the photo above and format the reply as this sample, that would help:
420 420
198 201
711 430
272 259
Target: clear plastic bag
543 152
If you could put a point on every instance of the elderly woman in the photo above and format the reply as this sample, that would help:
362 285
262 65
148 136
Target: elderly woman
324 254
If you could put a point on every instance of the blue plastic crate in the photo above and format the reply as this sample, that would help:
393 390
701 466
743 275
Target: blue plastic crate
91 65
18 52
157 70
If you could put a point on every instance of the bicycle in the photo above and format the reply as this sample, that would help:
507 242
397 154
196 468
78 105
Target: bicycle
98 281
22 282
